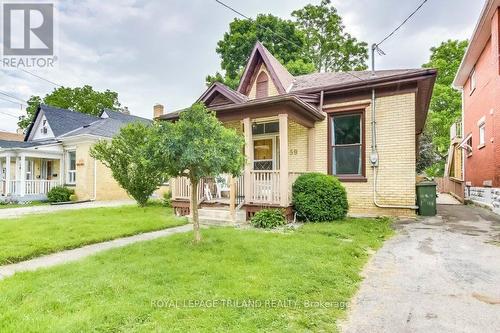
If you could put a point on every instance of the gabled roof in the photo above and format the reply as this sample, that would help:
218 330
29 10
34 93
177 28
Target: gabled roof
280 76
480 36
218 89
121 116
61 120
18 144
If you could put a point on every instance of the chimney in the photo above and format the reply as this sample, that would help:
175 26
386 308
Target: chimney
157 110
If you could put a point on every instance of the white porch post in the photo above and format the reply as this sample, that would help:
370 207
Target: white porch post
22 178
247 128
283 125
7 174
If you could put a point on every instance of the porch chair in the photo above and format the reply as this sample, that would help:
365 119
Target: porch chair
222 185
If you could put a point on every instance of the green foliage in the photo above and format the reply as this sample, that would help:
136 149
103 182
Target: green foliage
446 103
82 99
134 160
268 218
427 156
319 198
326 44
198 145
316 41
167 199
60 194
128 289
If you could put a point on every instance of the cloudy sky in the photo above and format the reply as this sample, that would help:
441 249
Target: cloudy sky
160 51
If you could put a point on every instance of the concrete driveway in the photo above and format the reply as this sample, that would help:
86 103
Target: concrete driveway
439 274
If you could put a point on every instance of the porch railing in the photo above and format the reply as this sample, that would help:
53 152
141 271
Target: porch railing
31 187
265 186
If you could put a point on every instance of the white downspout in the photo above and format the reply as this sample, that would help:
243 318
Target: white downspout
374 158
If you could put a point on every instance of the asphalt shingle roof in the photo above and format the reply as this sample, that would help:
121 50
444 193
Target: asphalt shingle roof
18 144
62 121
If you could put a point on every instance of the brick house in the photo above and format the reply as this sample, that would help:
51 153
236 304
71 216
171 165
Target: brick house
320 122
479 80
55 151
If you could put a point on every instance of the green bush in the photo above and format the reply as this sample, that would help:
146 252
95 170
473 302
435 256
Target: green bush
167 199
60 194
318 197
268 218
73 197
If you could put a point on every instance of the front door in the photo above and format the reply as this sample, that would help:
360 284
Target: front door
46 170
266 153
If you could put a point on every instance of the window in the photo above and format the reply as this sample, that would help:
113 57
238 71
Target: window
482 132
29 169
346 150
265 128
71 158
262 85
472 81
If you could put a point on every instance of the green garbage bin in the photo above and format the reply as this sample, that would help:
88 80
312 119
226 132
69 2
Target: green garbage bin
426 198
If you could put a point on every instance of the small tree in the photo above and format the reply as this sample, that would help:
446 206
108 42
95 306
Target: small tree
133 160
198 146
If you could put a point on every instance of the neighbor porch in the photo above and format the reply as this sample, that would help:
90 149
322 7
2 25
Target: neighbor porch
26 176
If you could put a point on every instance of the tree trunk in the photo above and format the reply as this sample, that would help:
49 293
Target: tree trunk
194 211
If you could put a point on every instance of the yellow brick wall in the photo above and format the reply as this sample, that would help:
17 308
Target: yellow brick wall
236 125
297 147
107 188
272 91
396 148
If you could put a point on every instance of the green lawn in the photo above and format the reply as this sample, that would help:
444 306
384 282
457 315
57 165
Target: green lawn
18 205
34 235
263 282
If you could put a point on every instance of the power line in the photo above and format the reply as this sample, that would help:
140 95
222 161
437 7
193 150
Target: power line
399 26
13 102
9 115
12 96
40 77
259 25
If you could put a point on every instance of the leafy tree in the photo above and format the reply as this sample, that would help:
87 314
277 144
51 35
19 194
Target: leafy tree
326 43
198 146
235 47
446 102
81 99
134 160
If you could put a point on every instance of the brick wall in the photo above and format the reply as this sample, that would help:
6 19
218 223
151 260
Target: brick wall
272 91
297 147
483 165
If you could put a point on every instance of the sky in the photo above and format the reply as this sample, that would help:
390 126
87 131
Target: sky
161 51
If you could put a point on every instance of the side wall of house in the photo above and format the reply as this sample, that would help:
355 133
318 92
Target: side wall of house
107 188
396 148
482 166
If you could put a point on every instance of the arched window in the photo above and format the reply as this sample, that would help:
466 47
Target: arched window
262 85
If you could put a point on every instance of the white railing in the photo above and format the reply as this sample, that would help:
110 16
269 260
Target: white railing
31 187
182 188
265 186
39 186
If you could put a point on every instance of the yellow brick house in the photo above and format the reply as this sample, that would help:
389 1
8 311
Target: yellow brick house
360 126
55 151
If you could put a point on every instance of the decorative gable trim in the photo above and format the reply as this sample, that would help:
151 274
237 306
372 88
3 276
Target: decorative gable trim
41 129
261 55
219 94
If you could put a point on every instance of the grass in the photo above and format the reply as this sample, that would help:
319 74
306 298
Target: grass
34 235
262 281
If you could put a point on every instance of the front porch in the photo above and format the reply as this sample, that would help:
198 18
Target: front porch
29 176
277 150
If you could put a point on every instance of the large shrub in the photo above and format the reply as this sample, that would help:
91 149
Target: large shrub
268 218
319 198
60 194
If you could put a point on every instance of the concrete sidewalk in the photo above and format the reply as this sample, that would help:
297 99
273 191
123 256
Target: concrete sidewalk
82 252
8 213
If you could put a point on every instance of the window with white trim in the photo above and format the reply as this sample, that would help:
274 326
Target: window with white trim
71 167
472 80
482 134
346 145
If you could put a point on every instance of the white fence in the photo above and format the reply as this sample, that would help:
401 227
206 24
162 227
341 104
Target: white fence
486 196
